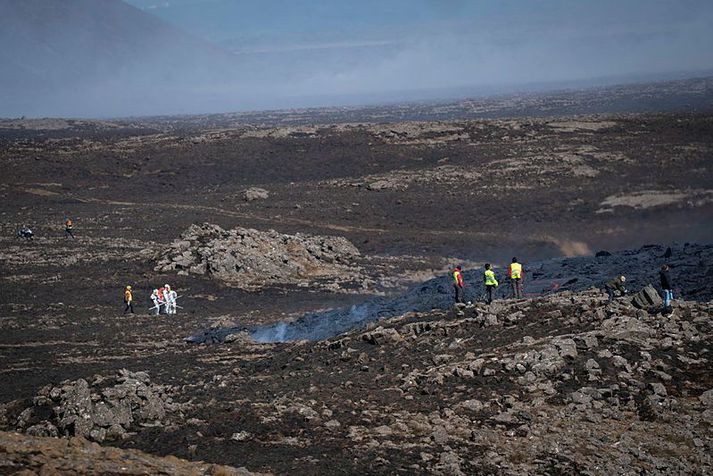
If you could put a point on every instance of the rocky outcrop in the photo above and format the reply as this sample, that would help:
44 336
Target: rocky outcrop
99 409
254 193
495 389
647 298
41 455
249 258
552 276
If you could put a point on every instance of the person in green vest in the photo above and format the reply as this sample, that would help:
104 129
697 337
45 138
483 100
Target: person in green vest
490 282
515 275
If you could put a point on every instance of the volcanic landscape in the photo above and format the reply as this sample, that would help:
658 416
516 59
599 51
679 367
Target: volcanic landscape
311 250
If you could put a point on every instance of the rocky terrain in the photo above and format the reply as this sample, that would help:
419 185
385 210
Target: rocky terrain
102 409
691 264
475 389
248 258
315 255
27 455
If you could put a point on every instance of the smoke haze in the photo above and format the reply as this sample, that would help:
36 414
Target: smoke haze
146 57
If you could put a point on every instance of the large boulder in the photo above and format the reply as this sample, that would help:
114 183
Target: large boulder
647 298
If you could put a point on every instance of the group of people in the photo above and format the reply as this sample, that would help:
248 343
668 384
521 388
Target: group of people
515 277
26 232
514 274
165 300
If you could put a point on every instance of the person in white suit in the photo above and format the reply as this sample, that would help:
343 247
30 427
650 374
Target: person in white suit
170 296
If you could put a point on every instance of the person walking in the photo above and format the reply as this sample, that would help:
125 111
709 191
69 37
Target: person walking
491 283
458 284
68 226
128 300
667 287
515 276
616 284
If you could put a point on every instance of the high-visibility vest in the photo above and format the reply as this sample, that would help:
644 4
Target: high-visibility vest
515 271
457 278
490 278
127 296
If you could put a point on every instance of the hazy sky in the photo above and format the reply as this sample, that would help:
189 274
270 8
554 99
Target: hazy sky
89 57
347 46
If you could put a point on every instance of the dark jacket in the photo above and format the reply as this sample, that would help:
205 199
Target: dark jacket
616 284
665 279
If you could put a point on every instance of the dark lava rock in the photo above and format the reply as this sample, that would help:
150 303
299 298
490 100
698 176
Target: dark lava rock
558 275
106 408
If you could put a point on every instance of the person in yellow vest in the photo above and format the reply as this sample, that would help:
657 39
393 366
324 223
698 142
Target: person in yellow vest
515 275
128 300
490 282
458 283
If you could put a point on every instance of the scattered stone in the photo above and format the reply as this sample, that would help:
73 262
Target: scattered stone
254 193
706 398
240 436
381 336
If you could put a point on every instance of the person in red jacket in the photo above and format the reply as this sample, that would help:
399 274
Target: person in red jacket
458 283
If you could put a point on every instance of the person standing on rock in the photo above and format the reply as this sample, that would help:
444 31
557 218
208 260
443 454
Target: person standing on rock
458 284
68 226
667 287
490 282
515 275
616 284
128 300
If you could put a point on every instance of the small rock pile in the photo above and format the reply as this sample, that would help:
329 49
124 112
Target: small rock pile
104 408
249 258
254 193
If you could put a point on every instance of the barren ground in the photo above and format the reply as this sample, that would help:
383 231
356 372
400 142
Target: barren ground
412 196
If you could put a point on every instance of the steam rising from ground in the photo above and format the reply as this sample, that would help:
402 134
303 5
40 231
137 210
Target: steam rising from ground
576 274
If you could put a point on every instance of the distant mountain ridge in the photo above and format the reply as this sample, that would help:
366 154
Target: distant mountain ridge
62 53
